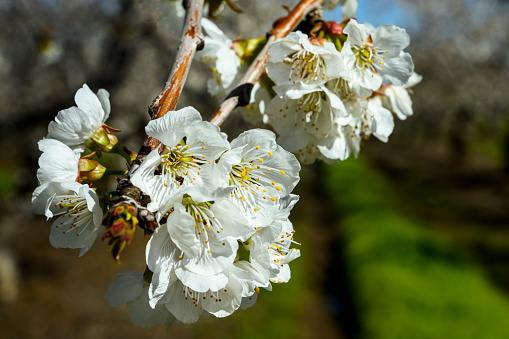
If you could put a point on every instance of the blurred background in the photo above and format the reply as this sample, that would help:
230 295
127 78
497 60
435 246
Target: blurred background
410 240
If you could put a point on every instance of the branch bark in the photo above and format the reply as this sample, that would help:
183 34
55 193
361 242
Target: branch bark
191 40
240 95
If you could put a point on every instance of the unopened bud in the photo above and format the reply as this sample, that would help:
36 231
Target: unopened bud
90 170
103 139
317 41
333 28
246 48
120 224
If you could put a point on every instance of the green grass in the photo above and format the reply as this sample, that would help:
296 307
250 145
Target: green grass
7 182
407 281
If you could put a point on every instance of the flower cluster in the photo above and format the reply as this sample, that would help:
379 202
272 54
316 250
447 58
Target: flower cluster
326 91
223 209
218 211
338 87
65 179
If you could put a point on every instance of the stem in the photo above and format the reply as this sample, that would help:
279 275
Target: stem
240 95
118 150
190 41
115 172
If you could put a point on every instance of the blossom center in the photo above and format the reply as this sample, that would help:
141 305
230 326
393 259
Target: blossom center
181 162
368 57
307 66
74 212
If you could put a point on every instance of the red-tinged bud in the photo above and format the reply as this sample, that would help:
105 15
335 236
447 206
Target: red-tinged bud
334 28
90 170
120 223
317 41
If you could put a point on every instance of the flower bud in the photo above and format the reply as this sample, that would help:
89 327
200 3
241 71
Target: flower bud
317 41
120 225
103 139
90 170
246 48
333 28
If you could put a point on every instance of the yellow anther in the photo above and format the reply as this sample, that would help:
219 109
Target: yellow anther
270 154
260 160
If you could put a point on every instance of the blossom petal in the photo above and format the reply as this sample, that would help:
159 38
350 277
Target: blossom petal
170 128
127 288
57 162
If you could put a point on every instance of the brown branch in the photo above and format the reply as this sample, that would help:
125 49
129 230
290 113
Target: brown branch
240 95
190 41
128 205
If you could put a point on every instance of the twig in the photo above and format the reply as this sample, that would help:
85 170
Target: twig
191 40
240 95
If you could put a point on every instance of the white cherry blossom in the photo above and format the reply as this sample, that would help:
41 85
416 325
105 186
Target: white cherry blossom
376 55
304 114
370 117
187 304
261 173
270 250
78 213
397 98
57 162
190 148
76 206
199 242
76 125
295 60
218 54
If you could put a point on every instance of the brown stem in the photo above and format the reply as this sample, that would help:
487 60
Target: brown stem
190 41
240 95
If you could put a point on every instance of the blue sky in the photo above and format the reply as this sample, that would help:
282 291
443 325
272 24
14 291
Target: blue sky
379 12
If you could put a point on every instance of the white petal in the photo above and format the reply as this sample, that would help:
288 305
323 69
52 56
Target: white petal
87 101
183 309
391 38
234 224
104 98
57 162
142 315
201 283
349 8
127 288
230 297
213 31
170 128
72 127
182 231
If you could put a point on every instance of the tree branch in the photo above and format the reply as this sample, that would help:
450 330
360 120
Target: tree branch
240 95
191 40
129 196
